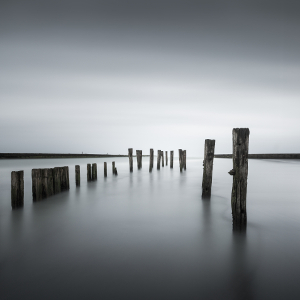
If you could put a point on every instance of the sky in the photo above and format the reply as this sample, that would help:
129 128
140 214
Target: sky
104 76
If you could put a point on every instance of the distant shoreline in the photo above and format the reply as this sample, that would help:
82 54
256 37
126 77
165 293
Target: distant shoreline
56 155
265 156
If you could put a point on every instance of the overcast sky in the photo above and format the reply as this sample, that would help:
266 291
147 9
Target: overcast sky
103 76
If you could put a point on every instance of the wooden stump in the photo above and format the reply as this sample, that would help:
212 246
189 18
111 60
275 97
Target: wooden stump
89 172
130 159
105 169
158 159
47 183
184 159
209 152
36 176
162 158
17 189
151 160
171 159
166 157
94 171
113 164
240 138
57 180
139 158
77 175
65 183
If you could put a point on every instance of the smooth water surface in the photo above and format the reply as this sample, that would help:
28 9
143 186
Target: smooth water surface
148 235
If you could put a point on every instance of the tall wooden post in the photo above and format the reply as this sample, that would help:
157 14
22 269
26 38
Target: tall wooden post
171 159
89 172
209 152
166 158
65 183
139 158
151 160
94 171
158 159
77 175
184 159
113 164
17 189
240 139
105 169
162 158
130 159
180 159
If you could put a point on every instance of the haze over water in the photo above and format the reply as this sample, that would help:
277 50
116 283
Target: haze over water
148 235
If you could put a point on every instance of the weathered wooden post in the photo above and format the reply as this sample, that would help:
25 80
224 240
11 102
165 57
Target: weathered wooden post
166 158
65 183
89 172
77 175
184 159
36 176
158 159
17 189
209 152
162 158
130 159
116 171
105 169
47 183
171 159
139 158
57 180
151 160
180 152
240 139
94 171
113 164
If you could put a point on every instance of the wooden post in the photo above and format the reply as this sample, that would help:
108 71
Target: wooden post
89 172
180 159
151 160
57 180
94 171
105 169
171 159
139 158
184 159
166 158
65 184
113 164
17 189
47 183
162 158
130 159
240 139
77 175
36 176
209 152
158 159
116 171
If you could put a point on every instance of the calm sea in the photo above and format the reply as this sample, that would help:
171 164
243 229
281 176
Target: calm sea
148 235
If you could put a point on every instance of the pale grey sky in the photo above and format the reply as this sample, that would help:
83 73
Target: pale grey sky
103 76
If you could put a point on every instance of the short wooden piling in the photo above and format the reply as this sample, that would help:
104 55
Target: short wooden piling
17 189
116 171
65 183
57 179
139 158
94 171
162 158
209 152
36 176
130 159
184 159
89 172
158 159
77 175
240 139
105 169
166 157
180 153
171 159
151 160
47 183
113 164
